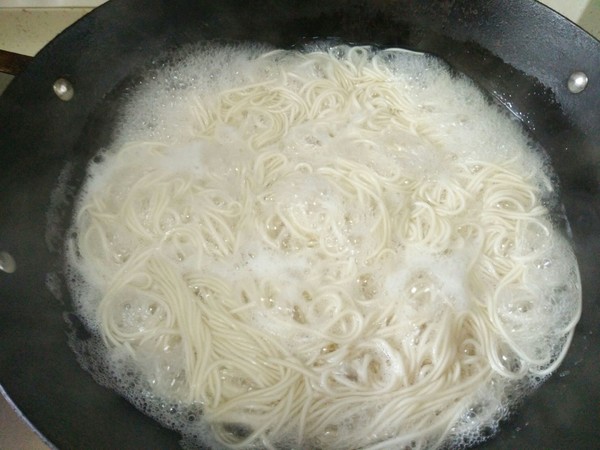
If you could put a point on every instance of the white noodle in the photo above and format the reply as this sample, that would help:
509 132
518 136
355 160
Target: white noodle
318 260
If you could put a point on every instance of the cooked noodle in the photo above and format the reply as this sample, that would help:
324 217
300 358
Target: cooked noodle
314 261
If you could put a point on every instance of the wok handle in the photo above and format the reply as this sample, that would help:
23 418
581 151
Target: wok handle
13 63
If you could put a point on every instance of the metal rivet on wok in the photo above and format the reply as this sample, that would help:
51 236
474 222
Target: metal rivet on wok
7 263
577 82
63 89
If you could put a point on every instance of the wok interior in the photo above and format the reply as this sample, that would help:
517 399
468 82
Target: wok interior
39 370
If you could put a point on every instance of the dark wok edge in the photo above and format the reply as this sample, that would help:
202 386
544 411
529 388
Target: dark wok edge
526 68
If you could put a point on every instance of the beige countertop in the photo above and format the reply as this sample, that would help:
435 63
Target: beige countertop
27 25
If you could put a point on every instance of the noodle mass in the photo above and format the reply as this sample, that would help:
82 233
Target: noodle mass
335 248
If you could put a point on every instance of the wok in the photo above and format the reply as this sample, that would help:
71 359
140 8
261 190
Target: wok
519 52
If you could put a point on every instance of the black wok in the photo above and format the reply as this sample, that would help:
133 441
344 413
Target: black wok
519 52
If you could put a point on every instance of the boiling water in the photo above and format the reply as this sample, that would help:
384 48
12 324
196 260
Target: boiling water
326 230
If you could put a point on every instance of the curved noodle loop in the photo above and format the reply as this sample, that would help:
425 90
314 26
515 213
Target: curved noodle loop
339 249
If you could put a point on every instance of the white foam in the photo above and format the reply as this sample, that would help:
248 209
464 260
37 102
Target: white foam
458 125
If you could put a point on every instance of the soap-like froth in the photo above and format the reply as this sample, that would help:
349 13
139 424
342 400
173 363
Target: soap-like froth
336 248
